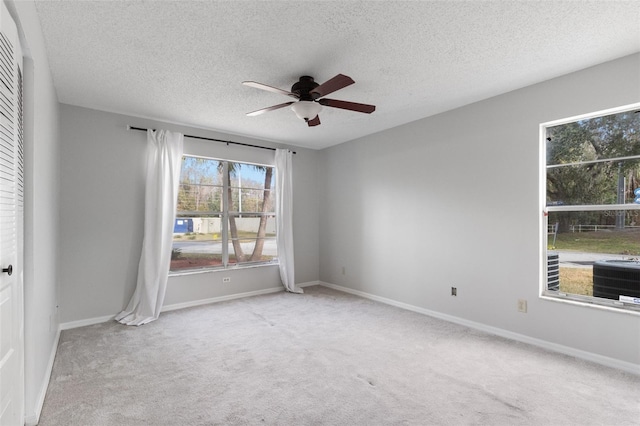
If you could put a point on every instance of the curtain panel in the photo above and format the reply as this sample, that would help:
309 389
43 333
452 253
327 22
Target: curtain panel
164 159
284 218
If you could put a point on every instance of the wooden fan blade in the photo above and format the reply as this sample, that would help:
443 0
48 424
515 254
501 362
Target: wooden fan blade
336 83
351 106
269 88
314 122
267 109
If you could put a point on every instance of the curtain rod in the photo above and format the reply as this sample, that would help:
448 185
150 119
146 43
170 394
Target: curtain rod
212 140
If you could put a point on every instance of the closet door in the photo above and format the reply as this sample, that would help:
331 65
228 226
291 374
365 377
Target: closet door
11 226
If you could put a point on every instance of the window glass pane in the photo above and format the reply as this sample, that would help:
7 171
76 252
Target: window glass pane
252 238
251 200
579 171
200 187
592 164
609 136
251 188
260 250
583 249
197 243
243 197
610 182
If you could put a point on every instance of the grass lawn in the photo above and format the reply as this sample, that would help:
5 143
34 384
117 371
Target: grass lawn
625 242
576 281
580 280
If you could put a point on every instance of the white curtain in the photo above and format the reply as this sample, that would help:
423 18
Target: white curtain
284 218
164 159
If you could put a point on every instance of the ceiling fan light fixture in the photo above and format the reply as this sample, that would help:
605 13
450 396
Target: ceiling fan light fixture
311 98
306 110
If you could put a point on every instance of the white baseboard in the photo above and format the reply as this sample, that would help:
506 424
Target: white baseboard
309 284
193 303
89 321
32 419
566 350
98 320
200 302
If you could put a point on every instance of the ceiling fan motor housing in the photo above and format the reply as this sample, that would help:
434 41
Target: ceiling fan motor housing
304 87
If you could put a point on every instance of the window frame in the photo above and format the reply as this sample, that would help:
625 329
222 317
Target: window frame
226 211
544 292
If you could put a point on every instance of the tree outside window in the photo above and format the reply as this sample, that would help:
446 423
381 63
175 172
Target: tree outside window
225 215
593 206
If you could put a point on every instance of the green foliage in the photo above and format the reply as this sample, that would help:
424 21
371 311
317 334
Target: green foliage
610 136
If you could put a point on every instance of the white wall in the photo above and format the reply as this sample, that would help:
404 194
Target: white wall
452 200
41 210
102 210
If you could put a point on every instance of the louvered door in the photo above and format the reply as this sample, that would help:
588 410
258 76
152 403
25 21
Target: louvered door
11 226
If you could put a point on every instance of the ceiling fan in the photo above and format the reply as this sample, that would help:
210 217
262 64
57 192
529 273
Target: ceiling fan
310 98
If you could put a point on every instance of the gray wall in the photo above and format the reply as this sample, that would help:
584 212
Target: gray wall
42 139
454 200
448 212
102 209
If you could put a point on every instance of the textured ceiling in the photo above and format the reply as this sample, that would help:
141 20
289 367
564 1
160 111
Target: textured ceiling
184 61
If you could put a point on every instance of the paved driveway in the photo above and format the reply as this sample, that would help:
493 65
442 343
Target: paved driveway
577 259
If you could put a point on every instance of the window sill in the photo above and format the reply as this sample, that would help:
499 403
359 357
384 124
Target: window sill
220 269
578 301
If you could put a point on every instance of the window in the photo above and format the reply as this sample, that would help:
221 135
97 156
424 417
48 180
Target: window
592 214
225 215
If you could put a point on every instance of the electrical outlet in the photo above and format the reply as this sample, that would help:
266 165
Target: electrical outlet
343 271
454 291
226 279
522 306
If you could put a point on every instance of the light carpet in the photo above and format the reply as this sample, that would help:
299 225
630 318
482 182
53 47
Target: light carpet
322 358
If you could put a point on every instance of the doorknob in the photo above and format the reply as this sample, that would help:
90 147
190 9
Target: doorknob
8 270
